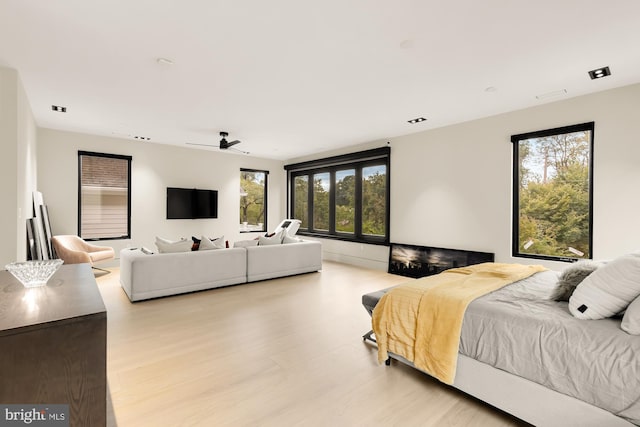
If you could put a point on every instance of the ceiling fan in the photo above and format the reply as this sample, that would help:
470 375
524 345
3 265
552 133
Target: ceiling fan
224 144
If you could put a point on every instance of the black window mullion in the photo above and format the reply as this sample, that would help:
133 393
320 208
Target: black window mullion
332 201
358 203
310 201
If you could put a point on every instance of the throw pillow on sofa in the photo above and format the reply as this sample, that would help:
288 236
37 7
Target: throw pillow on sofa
167 246
196 243
289 239
208 244
276 239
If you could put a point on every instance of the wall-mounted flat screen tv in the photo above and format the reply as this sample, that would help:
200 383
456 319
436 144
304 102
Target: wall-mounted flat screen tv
191 203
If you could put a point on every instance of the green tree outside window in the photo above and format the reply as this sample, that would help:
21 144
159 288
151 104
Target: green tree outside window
253 195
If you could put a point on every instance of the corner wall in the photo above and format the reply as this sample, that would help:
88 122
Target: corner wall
18 173
154 168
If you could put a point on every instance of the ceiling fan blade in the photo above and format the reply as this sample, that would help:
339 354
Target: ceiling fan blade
229 144
238 151
203 145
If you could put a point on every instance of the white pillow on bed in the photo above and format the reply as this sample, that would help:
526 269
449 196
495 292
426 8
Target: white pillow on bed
631 320
608 290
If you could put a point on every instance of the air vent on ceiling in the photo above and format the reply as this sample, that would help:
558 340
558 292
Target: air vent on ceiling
142 138
59 109
553 94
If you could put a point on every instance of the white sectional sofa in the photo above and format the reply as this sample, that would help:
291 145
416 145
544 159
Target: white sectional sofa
267 262
145 276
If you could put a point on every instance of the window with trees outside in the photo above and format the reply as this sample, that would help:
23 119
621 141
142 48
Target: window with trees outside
253 200
343 197
552 193
104 196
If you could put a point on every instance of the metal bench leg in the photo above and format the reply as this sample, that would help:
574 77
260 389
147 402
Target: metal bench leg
369 336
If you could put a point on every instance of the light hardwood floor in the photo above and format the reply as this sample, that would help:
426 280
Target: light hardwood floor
283 352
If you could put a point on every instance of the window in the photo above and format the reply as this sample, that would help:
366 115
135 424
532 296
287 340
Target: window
104 191
343 197
253 200
553 193
321 190
301 205
345 201
373 199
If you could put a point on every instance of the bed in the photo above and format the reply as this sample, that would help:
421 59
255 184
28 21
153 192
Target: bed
525 353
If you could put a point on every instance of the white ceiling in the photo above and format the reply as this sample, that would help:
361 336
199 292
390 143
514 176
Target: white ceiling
292 77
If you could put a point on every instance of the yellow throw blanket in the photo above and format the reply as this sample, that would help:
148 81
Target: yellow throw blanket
421 320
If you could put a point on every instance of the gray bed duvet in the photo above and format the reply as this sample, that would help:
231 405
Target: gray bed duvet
520 330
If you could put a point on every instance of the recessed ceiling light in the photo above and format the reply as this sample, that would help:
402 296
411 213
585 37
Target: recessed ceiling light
418 120
599 73
59 109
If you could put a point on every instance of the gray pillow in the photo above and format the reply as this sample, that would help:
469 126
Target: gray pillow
631 320
572 276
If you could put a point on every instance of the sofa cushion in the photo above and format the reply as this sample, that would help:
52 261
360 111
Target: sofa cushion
267 262
208 244
167 246
289 239
196 243
245 243
150 276
276 239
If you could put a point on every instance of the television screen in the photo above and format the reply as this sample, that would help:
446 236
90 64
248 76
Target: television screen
206 204
191 203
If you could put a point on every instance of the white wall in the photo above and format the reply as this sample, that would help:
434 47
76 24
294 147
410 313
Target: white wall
154 168
451 187
27 166
17 166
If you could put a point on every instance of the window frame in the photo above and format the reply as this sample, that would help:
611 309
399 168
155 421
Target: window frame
515 221
110 156
357 161
266 193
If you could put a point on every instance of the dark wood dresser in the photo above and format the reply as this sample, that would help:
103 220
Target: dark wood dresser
53 343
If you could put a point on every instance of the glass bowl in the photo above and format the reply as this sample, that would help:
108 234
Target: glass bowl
34 273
